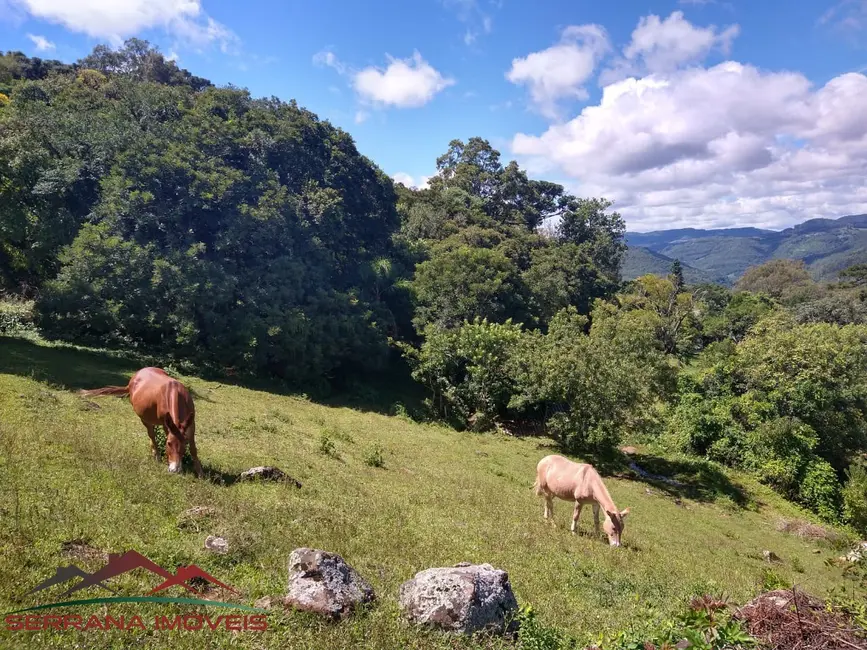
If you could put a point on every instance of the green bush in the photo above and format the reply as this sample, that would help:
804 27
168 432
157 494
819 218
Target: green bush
375 456
16 316
326 445
609 380
820 490
855 497
469 369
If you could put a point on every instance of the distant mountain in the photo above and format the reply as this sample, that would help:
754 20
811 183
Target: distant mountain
826 246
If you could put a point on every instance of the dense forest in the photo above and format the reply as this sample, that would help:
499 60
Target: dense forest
143 208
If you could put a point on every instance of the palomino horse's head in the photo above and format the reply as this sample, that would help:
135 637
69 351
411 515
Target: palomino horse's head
176 442
613 526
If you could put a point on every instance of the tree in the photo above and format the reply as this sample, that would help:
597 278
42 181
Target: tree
586 223
464 283
603 381
785 280
674 314
677 275
855 276
469 370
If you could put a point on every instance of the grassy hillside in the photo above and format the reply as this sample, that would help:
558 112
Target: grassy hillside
80 470
827 246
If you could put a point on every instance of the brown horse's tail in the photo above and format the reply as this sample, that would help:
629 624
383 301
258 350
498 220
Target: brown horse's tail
114 391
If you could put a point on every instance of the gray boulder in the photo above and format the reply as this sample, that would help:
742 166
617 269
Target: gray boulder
465 598
323 583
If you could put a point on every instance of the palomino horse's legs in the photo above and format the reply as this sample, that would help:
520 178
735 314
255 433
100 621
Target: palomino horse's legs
549 508
575 514
596 517
153 437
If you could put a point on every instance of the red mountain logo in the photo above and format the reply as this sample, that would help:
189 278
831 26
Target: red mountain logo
120 563
188 577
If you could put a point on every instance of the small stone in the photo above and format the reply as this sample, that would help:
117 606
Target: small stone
770 556
199 512
196 517
264 603
217 544
265 473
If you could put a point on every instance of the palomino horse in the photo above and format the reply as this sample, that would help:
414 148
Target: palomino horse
559 477
158 399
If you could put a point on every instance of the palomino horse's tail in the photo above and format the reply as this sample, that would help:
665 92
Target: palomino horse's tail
537 488
115 391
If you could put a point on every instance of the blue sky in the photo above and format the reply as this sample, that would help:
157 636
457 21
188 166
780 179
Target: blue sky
717 113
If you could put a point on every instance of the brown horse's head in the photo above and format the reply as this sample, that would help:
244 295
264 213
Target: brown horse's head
177 436
613 526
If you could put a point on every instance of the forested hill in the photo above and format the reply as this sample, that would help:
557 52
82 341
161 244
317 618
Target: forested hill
827 246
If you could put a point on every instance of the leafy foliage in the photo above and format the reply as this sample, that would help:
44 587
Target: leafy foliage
469 369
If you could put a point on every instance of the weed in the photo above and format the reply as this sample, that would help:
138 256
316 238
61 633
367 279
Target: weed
326 445
770 581
374 456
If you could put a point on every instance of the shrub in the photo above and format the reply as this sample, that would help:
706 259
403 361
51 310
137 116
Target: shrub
609 379
779 452
855 497
16 316
374 457
820 490
468 369
326 444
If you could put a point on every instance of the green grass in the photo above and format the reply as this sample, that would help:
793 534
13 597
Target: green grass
73 471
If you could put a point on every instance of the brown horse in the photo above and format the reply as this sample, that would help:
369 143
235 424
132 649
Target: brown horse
158 399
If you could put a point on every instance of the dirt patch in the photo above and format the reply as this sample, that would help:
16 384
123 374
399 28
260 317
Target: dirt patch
79 550
788 620
805 530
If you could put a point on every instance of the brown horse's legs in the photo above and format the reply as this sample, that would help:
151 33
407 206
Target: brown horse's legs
153 437
195 454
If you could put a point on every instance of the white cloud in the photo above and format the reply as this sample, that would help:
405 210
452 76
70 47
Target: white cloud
42 44
848 17
712 147
405 83
118 19
361 116
329 58
471 13
408 181
665 45
561 70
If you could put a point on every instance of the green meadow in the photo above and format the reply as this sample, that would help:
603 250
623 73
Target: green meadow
391 495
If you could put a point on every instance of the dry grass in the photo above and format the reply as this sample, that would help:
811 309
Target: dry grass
807 530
